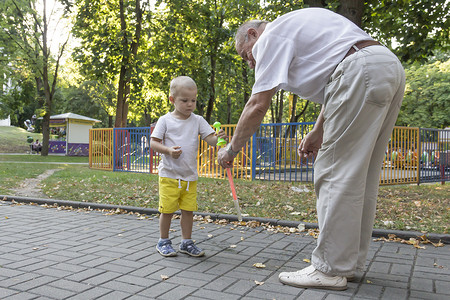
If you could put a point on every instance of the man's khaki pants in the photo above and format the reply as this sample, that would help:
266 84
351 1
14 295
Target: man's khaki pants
362 101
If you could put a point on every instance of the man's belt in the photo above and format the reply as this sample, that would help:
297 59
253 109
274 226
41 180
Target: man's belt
360 45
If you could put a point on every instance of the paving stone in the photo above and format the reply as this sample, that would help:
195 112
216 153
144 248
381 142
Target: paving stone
220 283
428 296
102 278
86 274
422 284
4 292
51 292
52 254
94 293
370 291
71 285
178 292
395 293
22 296
210 294
158 289
116 295
34 283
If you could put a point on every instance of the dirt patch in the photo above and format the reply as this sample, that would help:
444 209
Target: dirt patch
31 187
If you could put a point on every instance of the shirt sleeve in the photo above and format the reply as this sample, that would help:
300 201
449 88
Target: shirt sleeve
273 55
204 129
160 129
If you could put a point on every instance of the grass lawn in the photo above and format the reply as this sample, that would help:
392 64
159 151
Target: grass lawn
14 139
405 207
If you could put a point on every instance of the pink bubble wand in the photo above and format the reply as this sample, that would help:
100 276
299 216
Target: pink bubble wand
222 142
233 191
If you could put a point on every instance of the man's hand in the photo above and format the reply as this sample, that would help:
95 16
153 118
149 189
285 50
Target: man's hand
175 151
310 145
224 159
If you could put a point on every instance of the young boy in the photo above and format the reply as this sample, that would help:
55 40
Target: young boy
176 138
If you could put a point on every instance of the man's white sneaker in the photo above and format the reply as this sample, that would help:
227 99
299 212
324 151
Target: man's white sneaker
311 278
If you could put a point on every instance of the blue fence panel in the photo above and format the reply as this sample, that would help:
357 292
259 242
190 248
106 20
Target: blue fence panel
434 155
132 151
275 153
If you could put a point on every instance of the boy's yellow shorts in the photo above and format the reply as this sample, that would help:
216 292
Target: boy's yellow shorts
175 194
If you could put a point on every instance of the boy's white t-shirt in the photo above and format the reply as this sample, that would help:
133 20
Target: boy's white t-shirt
184 133
298 51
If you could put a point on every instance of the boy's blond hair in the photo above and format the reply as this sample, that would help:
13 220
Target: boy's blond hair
181 82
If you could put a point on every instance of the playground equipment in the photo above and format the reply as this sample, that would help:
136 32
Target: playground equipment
28 125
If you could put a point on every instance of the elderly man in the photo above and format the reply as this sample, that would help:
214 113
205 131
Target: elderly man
325 58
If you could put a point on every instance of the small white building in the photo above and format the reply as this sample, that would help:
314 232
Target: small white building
5 122
73 134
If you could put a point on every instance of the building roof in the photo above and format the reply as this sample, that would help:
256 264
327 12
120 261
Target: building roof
73 116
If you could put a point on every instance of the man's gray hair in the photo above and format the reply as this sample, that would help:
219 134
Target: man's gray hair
241 34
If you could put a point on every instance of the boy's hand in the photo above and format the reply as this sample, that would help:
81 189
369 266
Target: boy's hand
222 134
175 151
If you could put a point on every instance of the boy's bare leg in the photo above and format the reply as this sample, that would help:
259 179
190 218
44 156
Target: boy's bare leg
164 225
186 222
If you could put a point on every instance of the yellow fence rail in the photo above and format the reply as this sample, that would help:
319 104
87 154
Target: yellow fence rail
401 163
207 165
101 149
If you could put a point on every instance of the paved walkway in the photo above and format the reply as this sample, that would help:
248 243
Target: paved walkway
48 253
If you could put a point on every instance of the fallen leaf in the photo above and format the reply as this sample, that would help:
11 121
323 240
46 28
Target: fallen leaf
259 265
306 260
259 282
210 235
164 277
368 281
301 227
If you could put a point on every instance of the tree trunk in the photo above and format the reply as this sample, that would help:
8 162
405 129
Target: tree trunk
245 81
47 91
293 109
212 93
315 3
228 109
128 59
351 9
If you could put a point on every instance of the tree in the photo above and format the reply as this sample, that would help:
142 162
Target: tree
413 29
26 26
110 34
427 95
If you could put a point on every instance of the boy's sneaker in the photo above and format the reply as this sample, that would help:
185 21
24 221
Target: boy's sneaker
191 249
165 248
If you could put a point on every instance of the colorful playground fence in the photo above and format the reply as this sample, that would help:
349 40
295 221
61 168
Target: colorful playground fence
434 155
101 148
413 155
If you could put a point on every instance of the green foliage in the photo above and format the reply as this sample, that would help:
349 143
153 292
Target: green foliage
195 38
414 29
427 96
